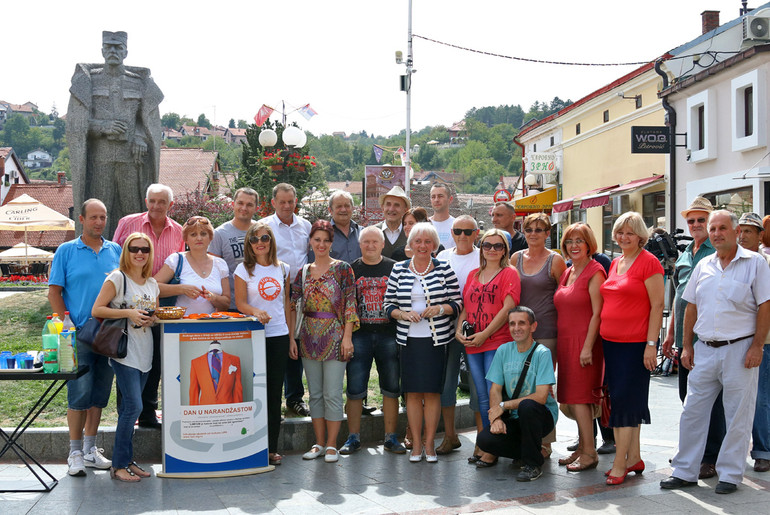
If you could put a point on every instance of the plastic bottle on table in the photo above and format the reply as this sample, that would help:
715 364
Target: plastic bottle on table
68 357
57 322
50 346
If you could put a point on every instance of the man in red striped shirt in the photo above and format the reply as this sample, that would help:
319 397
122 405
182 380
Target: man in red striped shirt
167 238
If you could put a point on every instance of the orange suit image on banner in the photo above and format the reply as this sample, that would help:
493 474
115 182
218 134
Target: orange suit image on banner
229 389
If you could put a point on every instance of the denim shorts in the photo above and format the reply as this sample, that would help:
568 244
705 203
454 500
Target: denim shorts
382 349
93 389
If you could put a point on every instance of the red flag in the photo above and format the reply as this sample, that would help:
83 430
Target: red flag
264 113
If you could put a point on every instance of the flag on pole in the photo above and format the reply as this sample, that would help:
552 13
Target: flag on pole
377 152
262 115
307 111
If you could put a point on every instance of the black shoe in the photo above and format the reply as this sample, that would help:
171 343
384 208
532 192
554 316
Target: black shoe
672 483
607 448
529 473
150 424
368 410
723 487
574 446
300 408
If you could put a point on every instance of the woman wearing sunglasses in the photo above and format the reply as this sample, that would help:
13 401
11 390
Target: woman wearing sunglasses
262 290
204 280
141 298
490 292
540 270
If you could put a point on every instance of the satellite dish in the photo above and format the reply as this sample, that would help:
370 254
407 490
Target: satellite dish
759 27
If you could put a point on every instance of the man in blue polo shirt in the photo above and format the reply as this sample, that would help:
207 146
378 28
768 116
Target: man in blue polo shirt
77 273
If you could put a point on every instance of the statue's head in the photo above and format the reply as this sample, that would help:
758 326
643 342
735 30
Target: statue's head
114 47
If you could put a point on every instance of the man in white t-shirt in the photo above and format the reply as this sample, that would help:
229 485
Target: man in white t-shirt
463 258
440 199
228 237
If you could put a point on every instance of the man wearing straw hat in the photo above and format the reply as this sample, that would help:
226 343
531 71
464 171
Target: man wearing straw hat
394 204
696 215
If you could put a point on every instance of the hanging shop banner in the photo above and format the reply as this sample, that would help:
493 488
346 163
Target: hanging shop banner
542 162
379 180
214 398
650 140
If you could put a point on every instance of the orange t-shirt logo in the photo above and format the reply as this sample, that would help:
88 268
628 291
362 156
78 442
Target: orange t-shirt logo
269 288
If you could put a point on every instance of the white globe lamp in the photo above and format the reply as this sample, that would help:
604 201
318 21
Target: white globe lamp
294 137
268 138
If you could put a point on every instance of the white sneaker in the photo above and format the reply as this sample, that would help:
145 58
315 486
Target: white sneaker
75 464
95 459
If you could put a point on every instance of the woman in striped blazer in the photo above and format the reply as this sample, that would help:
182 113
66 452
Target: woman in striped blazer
423 296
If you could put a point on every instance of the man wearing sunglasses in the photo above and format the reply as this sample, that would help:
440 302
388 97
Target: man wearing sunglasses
228 237
696 217
166 236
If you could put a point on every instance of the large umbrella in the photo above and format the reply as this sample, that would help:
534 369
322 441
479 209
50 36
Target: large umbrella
22 250
26 213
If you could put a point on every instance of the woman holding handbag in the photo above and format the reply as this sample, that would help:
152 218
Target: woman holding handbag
490 292
130 292
196 279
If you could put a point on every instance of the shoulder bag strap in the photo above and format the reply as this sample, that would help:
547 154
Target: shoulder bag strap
524 372
179 265
123 293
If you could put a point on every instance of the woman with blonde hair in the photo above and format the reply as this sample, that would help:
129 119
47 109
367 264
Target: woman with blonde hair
130 292
262 290
490 292
630 328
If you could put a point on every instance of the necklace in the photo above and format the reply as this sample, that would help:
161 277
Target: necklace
424 272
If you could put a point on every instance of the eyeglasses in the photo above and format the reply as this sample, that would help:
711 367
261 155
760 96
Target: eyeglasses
691 221
137 250
537 230
577 241
255 239
466 232
197 220
497 247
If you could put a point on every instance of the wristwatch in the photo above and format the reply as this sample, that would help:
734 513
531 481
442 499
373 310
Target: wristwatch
502 404
652 343
441 309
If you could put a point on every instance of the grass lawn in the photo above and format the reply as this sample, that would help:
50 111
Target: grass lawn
21 322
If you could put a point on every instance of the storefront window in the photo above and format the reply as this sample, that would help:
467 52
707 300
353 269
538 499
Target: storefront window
654 208
737 201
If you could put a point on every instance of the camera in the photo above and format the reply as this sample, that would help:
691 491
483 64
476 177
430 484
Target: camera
468 328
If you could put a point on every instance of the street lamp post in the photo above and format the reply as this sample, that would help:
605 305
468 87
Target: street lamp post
406 85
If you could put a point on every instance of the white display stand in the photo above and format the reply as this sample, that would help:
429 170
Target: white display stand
211 432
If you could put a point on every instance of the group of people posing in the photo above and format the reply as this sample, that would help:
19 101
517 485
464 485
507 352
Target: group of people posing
333 300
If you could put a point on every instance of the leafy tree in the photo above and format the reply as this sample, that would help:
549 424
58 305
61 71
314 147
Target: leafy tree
540 110
203 121
16 134
170 121
58 131
62 162
243 124
231 125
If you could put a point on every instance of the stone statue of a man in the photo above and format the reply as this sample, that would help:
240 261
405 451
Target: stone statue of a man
113 132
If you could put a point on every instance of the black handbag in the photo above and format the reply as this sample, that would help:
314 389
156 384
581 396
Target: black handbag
171 301
112 338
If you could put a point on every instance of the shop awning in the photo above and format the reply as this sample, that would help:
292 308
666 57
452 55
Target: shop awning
537 203
601 196
567 203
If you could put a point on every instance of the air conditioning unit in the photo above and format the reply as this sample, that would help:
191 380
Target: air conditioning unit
756 28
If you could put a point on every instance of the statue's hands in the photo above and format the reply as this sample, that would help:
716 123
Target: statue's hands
115 128
139 150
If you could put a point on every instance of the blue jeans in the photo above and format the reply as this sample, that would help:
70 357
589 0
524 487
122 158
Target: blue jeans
293 388
131 382
383 350
479 364
452 377
91 390
761 430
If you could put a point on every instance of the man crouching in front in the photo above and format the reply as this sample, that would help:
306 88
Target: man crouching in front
518 424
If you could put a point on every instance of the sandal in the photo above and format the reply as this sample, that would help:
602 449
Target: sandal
137 470
580 465
274 458
481 464
475 458
546 451
570 459
132 478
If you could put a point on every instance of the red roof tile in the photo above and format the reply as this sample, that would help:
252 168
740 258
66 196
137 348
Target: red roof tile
187 169
354 188
57 197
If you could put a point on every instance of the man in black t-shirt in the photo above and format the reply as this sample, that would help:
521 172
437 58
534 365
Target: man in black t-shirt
374 341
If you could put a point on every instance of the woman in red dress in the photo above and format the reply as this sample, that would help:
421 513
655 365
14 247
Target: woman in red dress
581 362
